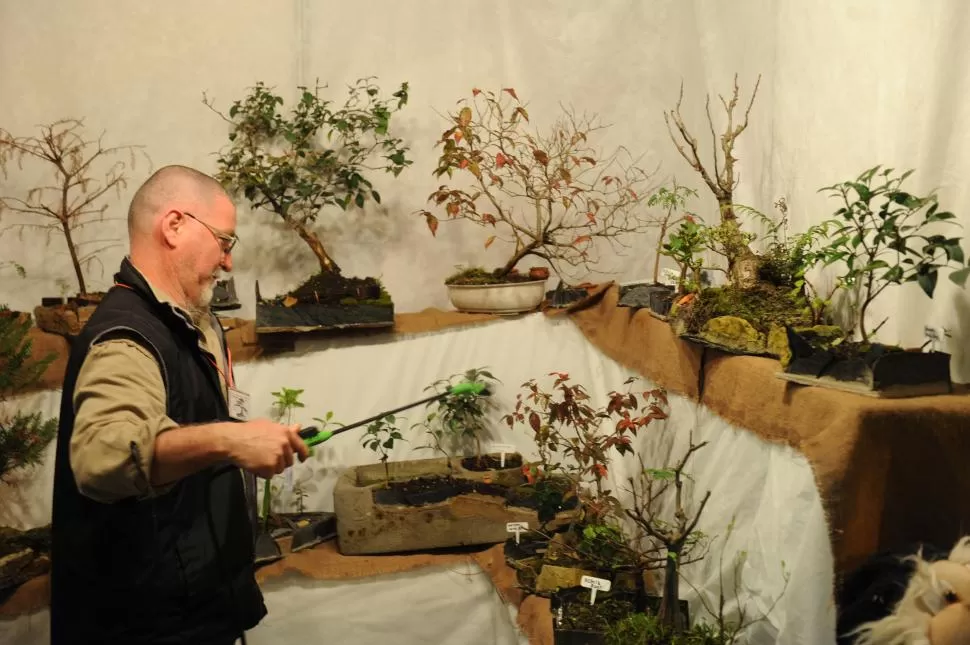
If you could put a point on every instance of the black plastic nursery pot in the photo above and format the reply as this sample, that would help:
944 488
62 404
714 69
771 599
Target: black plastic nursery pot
875 370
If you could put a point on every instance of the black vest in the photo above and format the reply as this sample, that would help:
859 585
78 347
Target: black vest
177 568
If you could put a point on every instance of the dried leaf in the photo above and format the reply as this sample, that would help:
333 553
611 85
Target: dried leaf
534 421
591 217
511 92
432 223
581 239
541 157
488 218
463 164
476 91
489 241
565 175
453 208
465 116
521 110
500 160
457 135
475 170
289 301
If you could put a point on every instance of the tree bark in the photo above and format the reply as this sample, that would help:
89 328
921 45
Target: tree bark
74 259
327 265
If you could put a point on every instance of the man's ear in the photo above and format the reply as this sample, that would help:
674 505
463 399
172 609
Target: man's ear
170 227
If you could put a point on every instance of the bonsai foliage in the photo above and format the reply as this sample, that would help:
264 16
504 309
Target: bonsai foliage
672 201
318 155
885 238
458 417
565 423
550 195
80 173
684 248
286 400
23 437
380 437
722 177
679 537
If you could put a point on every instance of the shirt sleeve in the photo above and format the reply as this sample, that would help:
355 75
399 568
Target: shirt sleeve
120 408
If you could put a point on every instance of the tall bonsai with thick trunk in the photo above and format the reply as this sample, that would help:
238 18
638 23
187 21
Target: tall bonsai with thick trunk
319 155
550 195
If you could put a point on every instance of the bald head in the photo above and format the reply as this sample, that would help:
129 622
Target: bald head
174 186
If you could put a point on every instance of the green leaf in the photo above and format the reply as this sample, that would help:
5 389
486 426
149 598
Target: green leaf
659 473
376 195
959 277
359 200
927 282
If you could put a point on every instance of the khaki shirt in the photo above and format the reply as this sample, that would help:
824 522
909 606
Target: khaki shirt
120 408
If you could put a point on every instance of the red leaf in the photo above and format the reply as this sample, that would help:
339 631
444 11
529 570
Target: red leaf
432 223
534 421
463 164
500 160
453 208
511 92
488 218
591 217
581 239
476 91
541 157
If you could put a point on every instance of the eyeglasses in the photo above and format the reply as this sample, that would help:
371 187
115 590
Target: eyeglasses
225 241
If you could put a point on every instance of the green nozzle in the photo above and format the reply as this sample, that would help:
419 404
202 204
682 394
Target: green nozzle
469 388
318 438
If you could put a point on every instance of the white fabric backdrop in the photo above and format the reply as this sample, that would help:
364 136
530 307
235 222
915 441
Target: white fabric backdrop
845 86
767 489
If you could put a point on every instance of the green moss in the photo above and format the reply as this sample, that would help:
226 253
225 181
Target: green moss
764 306
480 276
383 301
733 332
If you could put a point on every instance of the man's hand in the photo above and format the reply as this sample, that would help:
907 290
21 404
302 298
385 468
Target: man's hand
265 448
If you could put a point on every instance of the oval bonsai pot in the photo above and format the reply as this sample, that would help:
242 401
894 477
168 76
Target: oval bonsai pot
508 298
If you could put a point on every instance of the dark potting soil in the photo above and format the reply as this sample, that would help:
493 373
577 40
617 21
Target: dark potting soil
488 462
432 489
332 288
579 615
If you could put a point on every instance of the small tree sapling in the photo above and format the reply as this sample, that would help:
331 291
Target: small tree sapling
672 201
551 196
457 417
684 248
380 437
885 238
320 155
678 538
83 171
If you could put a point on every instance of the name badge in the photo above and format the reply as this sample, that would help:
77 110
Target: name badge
238 404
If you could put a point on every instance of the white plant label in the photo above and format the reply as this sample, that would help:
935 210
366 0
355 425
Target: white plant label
502 448
594 585
517 528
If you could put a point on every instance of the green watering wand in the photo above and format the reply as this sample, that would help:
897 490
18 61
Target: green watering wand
312 435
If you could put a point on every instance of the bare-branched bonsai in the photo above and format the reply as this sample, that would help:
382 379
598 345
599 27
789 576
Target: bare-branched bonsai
461 417
319 155
80 171
551 196
722 178
886 237
23 437
679 537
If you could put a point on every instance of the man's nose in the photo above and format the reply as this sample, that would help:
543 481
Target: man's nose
227 262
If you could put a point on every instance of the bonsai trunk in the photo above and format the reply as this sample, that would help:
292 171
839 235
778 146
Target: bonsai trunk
669 604
74 259
327 264
520 253
656 259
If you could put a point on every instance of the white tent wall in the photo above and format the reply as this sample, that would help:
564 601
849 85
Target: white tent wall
845 86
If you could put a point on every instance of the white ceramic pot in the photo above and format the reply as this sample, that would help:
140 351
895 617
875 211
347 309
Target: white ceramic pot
512 298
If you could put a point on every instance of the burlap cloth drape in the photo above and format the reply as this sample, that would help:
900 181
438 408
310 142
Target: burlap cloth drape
889 472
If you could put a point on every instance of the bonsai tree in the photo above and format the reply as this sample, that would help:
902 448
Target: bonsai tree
679 537
885 238
458 417
81 173
550 195
23 437
672 201
320 155
722 178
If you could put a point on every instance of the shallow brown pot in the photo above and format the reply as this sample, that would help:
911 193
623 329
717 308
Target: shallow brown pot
538 273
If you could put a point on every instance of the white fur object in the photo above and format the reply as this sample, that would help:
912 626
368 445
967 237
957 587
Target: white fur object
934 610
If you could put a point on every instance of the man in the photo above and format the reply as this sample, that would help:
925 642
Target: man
152 534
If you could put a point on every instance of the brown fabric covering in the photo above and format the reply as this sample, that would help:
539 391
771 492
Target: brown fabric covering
889 472
324 562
